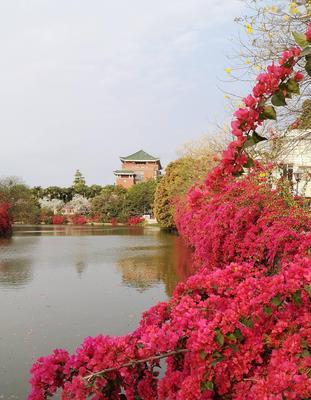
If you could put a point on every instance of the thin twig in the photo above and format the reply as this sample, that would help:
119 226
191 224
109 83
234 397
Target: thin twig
133 362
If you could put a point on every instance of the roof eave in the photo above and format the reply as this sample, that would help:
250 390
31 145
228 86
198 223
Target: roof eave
123 173
126 159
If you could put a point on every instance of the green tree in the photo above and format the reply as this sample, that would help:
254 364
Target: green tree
56 192
140 198
78 178
179 176
110 204
37 192
24 206
92 191
79 184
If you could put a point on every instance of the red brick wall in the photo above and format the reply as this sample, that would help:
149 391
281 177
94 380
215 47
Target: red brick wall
148 169
126 182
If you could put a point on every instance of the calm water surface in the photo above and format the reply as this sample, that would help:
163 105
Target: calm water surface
60 284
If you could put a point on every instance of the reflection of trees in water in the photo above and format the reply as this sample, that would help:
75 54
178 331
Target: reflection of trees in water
80 264
169 263
15 272
15 269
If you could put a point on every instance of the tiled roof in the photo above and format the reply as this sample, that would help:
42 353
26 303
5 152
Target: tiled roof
123 172
140 155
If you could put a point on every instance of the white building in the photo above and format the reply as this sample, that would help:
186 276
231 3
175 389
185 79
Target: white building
292 155
294 160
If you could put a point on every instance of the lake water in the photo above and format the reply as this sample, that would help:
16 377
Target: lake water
59 284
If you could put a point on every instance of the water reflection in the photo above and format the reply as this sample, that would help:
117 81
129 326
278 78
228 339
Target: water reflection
60 284
15 272
153 258
83 230
80 266
15 263
168 263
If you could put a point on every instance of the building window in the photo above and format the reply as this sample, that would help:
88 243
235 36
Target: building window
139 176
287 171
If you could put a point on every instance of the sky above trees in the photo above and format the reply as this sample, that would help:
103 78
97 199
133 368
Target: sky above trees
84 82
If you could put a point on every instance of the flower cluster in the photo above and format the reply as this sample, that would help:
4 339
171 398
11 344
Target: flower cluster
240 327
5 221
58 220
277 83
135 220
78 219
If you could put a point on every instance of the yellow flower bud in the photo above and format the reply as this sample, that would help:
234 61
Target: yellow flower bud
249 28
228 70
293 8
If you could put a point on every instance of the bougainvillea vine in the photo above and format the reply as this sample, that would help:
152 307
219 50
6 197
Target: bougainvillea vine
240 327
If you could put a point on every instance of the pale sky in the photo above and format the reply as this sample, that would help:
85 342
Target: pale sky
83 82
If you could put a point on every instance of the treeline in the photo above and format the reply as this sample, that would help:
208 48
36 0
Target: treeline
77 204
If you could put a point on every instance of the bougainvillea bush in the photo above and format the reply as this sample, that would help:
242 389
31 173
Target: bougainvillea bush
135 220
240 327
5 221
78 219
58 219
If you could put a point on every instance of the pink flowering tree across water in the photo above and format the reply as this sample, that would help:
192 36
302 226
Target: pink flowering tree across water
240 327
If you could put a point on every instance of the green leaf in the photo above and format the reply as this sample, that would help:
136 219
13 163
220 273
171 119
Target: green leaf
278 99
247 321
207 386
217 357
249 142
216 354
252 140
203 355
293 86
238 334
307 288
304 344
276 300
234 347
219 337
267 310
308 66
284 87
300 39
257 138
306 353
269 112
306 51
249 163
297 297
231 336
